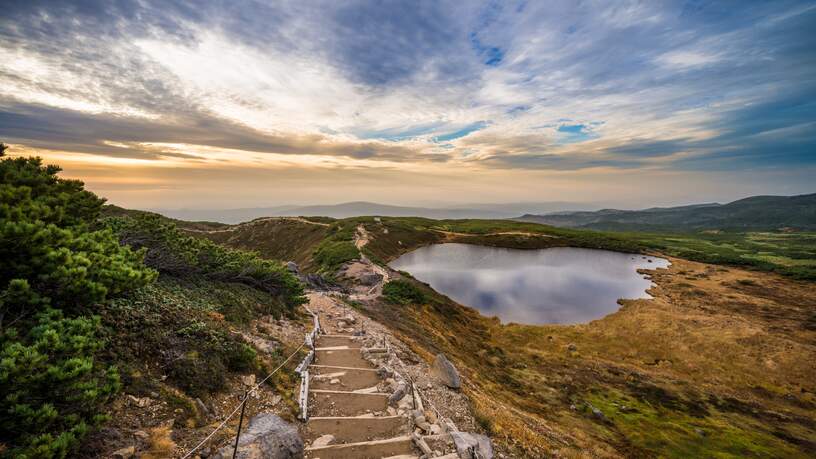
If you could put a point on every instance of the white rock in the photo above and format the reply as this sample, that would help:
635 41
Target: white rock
323 440
124 453
248 380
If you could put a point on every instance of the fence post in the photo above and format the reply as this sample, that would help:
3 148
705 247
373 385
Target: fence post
240 423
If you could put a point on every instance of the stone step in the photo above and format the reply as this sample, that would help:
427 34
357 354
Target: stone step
356 429
350 379
339 403
377 449
338 340
341 358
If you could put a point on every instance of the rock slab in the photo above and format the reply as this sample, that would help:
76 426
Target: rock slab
266 437
444 370
472 446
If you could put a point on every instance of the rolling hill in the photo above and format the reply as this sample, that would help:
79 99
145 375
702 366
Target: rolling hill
362 208
754 213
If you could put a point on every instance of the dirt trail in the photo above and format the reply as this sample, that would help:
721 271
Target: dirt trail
256 222
352 410
452 234
361 238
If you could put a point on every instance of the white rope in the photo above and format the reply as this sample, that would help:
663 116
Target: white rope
251 391
220 426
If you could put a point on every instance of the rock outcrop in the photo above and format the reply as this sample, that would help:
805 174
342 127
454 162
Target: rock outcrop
444 370
266 436
472 446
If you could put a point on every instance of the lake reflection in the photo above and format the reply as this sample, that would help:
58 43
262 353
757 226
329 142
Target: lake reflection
548 286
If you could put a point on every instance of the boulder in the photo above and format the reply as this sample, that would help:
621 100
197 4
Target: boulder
266 436
292 267
369 279
444 370
399 394
472 446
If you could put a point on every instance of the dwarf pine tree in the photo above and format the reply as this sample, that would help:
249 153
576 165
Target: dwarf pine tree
55 268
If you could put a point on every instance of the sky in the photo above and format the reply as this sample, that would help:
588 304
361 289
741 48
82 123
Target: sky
229 104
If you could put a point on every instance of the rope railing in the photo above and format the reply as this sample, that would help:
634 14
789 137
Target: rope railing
310 338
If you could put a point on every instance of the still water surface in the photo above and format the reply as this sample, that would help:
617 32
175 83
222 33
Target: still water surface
548 286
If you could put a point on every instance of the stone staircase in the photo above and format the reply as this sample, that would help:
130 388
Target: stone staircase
359 401
347 407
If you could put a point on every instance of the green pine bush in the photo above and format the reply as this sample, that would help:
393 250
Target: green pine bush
55 269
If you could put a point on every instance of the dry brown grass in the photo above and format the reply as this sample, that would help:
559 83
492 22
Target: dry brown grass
160 444
710 353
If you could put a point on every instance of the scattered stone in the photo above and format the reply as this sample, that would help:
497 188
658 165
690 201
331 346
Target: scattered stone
124 453
334 381
323 440
369 279
266 436
572 347
248 380
140 402
596 412
292 267
436 429
398 394
384 372
202 408
700 432
470 445
141 434
444 370
263 345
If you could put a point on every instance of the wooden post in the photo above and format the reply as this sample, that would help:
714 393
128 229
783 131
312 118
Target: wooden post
240 423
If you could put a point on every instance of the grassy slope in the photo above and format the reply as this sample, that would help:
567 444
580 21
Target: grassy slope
719 364
174 341
179 339
279 239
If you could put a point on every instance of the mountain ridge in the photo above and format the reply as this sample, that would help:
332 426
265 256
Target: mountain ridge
365 208
763 212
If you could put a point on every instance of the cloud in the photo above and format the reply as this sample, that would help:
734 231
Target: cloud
66 130
508 85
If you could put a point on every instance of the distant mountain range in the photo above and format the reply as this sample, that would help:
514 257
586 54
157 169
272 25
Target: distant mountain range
360 208
754 213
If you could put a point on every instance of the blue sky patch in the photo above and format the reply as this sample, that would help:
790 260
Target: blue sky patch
574 133
470 128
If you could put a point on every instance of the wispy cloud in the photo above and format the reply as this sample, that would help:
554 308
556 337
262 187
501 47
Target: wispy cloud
528 86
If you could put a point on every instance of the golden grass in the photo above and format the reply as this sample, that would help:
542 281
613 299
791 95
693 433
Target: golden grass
160 444
710 353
